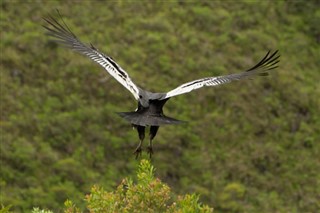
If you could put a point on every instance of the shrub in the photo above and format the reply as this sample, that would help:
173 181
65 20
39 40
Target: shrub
149 194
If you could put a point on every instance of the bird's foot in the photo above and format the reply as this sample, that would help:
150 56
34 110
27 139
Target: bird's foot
138 152
150 151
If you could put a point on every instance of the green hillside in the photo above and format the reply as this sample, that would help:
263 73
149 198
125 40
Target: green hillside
249 146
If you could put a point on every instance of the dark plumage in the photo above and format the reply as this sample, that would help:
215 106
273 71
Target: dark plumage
149 111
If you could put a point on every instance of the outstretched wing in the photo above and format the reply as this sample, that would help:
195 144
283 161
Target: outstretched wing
262 68
63 35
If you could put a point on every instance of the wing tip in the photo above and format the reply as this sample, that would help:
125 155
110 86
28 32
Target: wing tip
268 62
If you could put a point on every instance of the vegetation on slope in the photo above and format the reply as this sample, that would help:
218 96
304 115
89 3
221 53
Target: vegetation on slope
251 146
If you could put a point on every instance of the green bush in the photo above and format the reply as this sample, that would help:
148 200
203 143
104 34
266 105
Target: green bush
149 194
5 209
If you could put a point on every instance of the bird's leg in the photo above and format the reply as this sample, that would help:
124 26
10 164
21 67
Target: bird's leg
141 130
152 134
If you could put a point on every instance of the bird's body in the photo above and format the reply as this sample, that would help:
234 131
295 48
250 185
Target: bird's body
151 115
150 105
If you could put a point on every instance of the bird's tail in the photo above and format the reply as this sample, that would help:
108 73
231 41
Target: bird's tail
148 120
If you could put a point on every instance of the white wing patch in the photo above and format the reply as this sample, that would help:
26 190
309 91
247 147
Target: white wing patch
115 70
268 63
63 35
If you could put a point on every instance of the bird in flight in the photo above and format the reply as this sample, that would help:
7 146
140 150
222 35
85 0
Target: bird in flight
149 112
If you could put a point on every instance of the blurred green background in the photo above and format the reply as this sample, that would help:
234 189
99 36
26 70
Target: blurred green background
249 146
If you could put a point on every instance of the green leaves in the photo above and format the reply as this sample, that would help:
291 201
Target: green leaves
149 194
232 197
5 209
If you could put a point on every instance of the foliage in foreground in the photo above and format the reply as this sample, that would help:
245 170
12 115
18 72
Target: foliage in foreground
148 195
5 209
